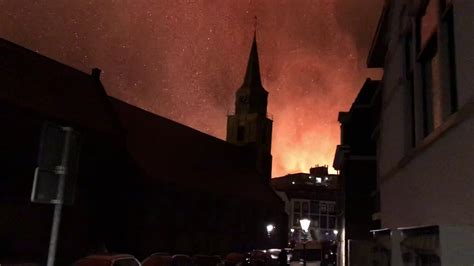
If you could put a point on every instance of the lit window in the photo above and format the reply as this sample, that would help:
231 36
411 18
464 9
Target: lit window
318 180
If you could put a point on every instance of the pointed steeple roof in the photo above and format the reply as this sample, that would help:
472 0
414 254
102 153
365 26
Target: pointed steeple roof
252 76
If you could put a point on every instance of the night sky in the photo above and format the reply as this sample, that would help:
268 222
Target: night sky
184 59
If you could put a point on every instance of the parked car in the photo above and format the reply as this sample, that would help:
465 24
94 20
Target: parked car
261 257
312 251
108 260
19 264
180 260
234 258
206 260
158 259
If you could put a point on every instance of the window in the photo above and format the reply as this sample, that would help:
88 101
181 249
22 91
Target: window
314 206
448 27
296 206
410 81
323 222
323 207
321 213
240 133
296 212
331 208
327 214
332 222
430 73
437 61
305 208
296 219
428 21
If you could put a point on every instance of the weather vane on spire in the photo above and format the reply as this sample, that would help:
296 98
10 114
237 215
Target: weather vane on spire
255 25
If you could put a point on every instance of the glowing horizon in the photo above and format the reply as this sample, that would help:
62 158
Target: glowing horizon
185 60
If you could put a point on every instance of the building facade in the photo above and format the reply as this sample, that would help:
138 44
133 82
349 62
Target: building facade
355 159
425 151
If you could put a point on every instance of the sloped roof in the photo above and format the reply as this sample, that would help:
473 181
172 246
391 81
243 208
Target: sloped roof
252 75
282 182
167 152
52 89
378 49
302 183
366 93
175 154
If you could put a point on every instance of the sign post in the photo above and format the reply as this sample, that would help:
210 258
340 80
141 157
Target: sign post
54 179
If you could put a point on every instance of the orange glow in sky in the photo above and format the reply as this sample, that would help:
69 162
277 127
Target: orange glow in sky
184 60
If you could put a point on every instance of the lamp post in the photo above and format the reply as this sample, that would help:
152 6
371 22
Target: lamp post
270 228
305 226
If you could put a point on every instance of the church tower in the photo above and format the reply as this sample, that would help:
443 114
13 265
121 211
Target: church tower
250 124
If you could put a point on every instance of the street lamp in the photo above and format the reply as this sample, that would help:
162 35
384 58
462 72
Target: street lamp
270 228
305 226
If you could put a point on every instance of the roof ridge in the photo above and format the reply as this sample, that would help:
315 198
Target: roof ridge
43 56
171 120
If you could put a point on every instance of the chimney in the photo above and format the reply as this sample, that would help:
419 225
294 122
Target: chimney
96 73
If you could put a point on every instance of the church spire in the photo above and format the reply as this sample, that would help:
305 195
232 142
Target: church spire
250 125
252 76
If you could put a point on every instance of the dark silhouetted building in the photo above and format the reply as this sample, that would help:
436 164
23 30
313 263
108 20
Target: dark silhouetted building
144 184
355 159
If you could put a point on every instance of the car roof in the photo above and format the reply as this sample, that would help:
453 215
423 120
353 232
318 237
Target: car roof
110 256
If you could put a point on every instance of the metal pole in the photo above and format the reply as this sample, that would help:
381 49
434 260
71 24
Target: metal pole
304 253
54 233
62 171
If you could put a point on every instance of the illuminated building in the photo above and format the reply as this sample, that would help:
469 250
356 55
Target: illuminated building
314 196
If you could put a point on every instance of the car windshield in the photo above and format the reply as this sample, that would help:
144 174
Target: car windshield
311 255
